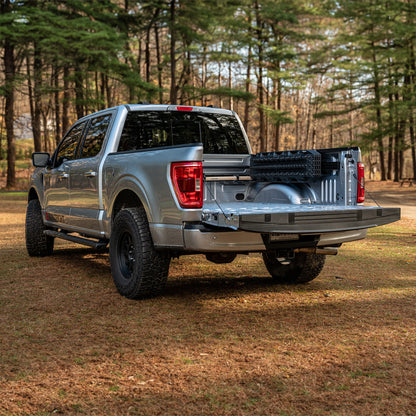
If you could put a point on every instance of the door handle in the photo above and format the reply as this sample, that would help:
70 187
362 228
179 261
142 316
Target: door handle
64 175
90 174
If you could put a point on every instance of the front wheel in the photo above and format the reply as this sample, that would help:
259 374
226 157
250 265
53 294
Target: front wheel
139 271
303 268
37 243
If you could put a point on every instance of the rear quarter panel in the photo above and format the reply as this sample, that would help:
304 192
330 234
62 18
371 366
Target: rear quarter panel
147 174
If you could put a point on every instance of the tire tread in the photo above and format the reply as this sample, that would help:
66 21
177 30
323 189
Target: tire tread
304 267
37 243
150 277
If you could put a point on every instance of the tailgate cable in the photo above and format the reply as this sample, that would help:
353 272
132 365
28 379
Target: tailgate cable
365 189
215 200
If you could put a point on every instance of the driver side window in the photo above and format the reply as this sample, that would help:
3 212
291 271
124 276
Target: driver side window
68 148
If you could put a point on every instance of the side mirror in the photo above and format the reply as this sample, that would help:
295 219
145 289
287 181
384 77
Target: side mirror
40 159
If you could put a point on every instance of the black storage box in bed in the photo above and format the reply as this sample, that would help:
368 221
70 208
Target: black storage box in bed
287 166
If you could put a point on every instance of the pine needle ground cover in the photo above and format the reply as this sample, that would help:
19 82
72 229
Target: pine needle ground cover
221 340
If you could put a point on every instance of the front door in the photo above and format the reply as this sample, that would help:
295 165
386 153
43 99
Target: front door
57 178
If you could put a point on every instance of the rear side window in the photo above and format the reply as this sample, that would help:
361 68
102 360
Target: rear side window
95 136
218 133
69 145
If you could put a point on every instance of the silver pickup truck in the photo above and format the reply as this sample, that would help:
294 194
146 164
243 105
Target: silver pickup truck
158 181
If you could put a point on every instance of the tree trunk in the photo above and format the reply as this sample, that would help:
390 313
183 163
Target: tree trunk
186 75
30 91
401 150
413 143
139 58
173 87
297 122
396 142
313 137
277 105
1 131
230 84
221 104
107 89
411 118
412 82
45 131
204 75
37 99
9 78
260 92
147 49
57 106
159 65
65 102
147 52
391 139
248 82
79 92
308 119
391 122
331 134
377 97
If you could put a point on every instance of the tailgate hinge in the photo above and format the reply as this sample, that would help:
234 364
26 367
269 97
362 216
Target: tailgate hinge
220 219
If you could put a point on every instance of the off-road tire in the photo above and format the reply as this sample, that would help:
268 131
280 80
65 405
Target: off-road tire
302 269
37 243
139 271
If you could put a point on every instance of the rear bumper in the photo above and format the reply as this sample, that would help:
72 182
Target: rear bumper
200 240
241 230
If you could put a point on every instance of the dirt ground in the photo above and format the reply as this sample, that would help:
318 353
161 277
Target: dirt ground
221 340
393 194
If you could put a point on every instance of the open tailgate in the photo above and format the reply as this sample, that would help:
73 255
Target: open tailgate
291 218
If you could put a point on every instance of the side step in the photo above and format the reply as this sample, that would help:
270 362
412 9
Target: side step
80 240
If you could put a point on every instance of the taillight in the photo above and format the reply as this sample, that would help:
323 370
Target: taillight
187 179
360 183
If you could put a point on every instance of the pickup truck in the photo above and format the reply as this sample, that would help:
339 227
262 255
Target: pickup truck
158 181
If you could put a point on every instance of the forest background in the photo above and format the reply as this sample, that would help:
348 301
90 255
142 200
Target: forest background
301 74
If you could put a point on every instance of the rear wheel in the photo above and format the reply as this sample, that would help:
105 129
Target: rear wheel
37 243
303 268
138 270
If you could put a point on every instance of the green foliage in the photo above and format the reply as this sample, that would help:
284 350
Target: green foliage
278 116
350 62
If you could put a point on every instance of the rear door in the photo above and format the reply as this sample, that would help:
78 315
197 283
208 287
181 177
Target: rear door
85 176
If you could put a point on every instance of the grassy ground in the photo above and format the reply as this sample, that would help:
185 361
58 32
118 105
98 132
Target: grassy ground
222 340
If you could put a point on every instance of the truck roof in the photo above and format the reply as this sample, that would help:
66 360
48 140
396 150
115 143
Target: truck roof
161 107
169 107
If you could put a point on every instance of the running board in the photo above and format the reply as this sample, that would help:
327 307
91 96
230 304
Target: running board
79 240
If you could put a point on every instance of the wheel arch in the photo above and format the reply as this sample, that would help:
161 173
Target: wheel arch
32 194
126 198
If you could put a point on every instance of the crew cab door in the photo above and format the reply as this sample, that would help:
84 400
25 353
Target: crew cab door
57 178
85 176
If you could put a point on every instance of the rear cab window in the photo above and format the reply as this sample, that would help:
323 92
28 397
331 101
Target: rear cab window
218 133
